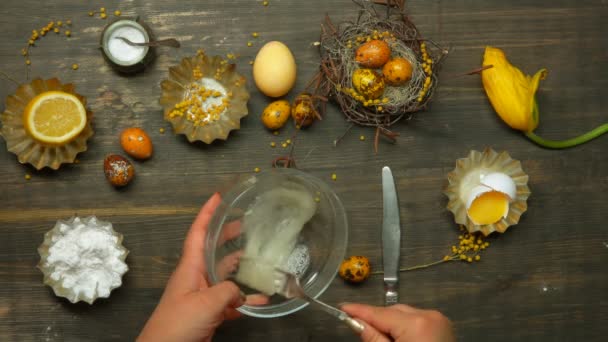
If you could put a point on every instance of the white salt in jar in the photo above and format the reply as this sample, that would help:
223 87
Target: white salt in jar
119 54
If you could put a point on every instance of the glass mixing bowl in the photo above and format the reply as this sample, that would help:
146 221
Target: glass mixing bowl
321 243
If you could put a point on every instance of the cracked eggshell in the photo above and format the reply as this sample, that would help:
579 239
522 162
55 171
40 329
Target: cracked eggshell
479 173
500 182
476 192
496 181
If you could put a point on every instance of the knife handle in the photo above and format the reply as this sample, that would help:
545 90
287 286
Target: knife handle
391 296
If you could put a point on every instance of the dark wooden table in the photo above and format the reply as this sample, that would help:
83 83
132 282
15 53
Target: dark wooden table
545 280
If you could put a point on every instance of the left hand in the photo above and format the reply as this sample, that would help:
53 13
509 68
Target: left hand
190 309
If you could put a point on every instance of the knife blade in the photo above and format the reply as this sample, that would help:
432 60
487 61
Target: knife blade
391 237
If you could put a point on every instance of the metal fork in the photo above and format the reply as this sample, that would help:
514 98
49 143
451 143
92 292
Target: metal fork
293 289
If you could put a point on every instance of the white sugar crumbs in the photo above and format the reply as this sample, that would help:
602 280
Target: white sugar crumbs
86 258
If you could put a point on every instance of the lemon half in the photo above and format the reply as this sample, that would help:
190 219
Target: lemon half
54 117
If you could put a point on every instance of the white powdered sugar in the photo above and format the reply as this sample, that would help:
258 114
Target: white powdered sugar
121 50
85 257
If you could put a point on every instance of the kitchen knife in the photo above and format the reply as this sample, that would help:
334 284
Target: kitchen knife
391 237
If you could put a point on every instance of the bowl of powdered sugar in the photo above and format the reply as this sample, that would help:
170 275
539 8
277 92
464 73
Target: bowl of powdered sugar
83 259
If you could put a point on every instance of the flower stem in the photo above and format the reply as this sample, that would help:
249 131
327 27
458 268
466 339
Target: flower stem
559 144
423 266
417 267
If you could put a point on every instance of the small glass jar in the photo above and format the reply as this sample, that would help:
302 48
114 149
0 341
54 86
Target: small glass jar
121 56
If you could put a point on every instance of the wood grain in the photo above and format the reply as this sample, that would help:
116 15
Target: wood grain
545 280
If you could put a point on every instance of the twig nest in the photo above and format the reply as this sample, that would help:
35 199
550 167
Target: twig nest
30 150
487 191
83 259
388 46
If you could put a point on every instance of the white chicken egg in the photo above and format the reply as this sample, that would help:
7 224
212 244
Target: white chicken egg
274 69
488 202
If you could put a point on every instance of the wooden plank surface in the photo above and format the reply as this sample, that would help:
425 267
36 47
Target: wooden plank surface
545 280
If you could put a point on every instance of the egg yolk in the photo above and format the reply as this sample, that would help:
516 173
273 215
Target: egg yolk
488 208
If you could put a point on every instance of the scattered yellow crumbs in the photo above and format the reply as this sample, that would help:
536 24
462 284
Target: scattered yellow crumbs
161 130
28 62
334 176
28 176
273 144
68 33
284 145
317 199
251 62
362 138
74 66
275 132
265 3
288 141
250 44
256 170
203 106
254 34
102 14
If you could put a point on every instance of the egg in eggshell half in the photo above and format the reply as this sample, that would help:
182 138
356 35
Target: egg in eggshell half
487 191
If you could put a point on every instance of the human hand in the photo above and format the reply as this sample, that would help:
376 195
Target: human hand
401 323
190 309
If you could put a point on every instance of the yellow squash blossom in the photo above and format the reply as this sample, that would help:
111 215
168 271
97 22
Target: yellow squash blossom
511 93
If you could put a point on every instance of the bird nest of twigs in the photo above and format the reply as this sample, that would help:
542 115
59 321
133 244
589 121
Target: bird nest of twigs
338 45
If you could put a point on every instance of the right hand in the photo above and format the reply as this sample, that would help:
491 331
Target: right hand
401 323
